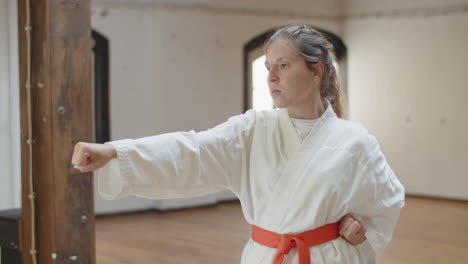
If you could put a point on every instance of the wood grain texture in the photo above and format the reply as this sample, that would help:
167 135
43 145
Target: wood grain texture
61 106
429 231
25 221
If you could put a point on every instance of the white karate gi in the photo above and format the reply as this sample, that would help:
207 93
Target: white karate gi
284 186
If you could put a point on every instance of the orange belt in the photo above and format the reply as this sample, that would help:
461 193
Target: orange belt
302 241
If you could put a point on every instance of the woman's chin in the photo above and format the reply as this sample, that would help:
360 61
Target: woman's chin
279 104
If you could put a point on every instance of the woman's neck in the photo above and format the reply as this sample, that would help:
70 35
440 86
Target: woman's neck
308 111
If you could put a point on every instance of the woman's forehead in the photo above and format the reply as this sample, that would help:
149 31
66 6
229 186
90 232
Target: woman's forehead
280 51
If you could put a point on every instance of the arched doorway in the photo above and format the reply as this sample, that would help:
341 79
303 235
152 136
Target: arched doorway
100 82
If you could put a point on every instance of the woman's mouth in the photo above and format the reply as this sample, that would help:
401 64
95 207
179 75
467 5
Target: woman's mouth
273 92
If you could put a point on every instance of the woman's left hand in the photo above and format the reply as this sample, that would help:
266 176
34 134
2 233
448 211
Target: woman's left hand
352 229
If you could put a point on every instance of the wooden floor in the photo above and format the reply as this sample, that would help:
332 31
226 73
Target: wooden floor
429 231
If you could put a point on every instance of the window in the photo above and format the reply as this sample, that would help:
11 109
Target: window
261 99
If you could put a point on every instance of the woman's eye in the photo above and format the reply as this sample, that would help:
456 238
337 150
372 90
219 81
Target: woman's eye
283 66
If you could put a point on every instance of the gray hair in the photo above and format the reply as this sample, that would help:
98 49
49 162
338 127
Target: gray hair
314 47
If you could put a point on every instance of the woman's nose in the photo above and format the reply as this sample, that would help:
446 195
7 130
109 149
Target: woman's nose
272 77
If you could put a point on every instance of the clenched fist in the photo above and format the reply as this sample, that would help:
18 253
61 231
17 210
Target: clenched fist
352 229
89 156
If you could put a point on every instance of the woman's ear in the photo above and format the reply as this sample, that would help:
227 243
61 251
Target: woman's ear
319 69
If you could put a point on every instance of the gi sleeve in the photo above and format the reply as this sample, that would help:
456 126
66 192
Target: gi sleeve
381 198
180 164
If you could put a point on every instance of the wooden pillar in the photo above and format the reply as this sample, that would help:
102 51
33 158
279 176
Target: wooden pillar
61 116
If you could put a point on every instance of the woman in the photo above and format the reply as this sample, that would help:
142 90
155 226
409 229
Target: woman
297 169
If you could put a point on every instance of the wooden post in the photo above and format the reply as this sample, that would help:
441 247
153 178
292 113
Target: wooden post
61 116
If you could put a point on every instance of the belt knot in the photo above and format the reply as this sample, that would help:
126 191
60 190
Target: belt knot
286 243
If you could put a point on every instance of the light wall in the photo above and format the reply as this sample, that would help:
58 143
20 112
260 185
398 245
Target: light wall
408 84
10 177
